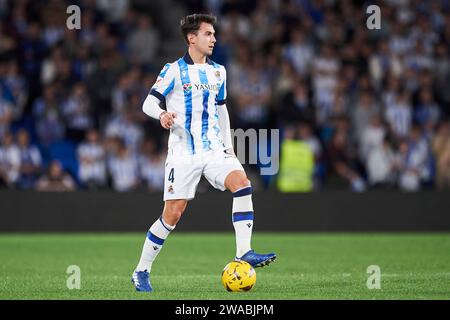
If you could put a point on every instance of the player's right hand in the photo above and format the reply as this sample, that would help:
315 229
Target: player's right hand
167 119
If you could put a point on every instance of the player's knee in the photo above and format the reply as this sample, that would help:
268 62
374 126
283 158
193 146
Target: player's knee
177 212
173 212
172 216
176 215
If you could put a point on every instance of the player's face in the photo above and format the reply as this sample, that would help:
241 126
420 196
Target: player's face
205 39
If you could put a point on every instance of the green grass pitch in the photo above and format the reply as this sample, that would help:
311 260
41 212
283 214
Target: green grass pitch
309 266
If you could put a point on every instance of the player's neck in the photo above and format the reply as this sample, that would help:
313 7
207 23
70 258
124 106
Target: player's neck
196 56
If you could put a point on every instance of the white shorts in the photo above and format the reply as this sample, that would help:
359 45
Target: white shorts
183 173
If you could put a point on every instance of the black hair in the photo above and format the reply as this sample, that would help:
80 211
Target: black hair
191 23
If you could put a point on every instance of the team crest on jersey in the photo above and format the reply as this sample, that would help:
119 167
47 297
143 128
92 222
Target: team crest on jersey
217 74
187 87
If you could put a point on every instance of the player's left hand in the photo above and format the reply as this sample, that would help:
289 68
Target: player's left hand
167 119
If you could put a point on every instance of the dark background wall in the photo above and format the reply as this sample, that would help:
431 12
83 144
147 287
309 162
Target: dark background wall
327 211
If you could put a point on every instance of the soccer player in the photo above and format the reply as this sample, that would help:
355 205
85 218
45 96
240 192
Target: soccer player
194 91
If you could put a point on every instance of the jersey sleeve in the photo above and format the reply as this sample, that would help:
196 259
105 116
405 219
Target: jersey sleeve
222 95
164 83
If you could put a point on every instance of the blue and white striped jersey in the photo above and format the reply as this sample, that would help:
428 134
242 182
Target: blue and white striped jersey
193 92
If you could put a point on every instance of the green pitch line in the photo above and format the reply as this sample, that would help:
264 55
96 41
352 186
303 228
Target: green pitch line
309 266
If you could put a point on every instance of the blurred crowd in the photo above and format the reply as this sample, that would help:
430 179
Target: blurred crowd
357 109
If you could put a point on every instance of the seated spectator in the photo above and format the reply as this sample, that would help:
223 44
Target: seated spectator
382 165
441 151
18 86
372 137
296 105
409 179
418 59
427 113
123 168
399 115
50 65
299 52
366 108
126 129
285 80
92 159
143 42
443 168
55 180
382 62
151 166
415 163
120 92
342 161
9 162
77 113
6 114
252 100
30 161
325 67
49 125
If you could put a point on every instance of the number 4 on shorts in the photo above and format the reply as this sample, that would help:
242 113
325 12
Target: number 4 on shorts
171 175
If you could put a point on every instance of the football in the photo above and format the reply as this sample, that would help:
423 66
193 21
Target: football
238 276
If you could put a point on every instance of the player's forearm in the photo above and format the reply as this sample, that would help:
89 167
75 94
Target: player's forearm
224 123
151 107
